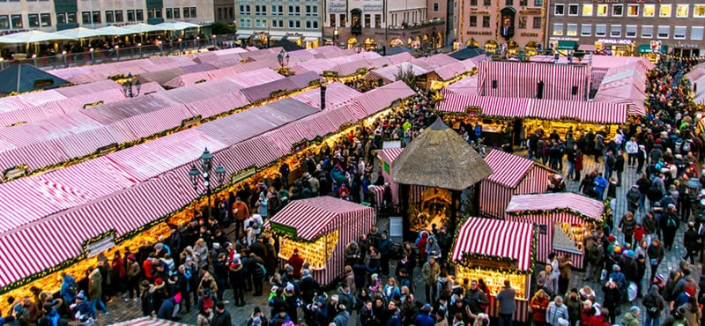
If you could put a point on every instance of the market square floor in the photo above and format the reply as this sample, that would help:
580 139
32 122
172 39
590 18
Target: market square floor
123 311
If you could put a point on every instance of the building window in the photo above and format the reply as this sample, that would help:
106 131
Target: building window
633 10
193 13
647 31
33 20
311 11
600 30
523 3
435 6
631 31
4 22
261 23
664 32
368 20
139 14
378 20
277 10
602 10
485 21
60 18
522 22
343 20
538 3
537 23
294 11
487 3
664 10
294 24
261 10
586 30
45 20
616 31
85 17
245 10
573 10
131 15
699 11
119 18
312 24
679 32
110 16
649 10
559 10
473 2
617 10
17 21
96 17
587 9
509 2
682 11
557 29
169 15
332 20
473 21
572 30
696 32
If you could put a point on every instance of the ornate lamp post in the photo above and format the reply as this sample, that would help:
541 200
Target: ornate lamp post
131 88
205 172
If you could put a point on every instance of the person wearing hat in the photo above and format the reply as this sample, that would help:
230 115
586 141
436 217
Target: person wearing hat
631 318
81 309
654 304
424 317
296 262
133 277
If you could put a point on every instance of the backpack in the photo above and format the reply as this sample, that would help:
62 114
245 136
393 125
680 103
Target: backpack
73 288
671 222
686 146
651 307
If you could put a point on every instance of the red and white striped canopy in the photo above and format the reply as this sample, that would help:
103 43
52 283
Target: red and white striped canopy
567 200
149 321
509 169
311 217
488 237
390 154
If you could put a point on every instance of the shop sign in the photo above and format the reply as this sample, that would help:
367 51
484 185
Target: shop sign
472 111
687 46
543 229
480 12
107 149
96 247
530 34
532 11
494 264
615 41
386 168
16 172
283 229
243 174
479 32
336 10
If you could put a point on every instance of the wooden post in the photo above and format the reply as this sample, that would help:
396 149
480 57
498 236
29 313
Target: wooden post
404 211
455 199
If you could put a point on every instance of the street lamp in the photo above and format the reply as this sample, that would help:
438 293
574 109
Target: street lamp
283 58
131 88
335 36
206 166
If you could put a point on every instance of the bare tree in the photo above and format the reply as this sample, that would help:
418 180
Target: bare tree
406 74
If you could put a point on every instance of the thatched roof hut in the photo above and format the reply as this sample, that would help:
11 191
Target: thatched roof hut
439 157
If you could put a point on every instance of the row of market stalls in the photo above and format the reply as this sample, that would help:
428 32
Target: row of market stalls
696 76
129 196
432 73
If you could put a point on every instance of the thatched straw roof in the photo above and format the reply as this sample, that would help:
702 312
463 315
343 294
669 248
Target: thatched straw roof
440 158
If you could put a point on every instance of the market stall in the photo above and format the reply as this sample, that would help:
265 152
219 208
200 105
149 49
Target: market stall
149 321
563 219
320 228
483 251
513 175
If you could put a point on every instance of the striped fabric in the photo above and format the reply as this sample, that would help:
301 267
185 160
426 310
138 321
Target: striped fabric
389 155
519 79
317 216
508 168
149 321
587 206
466 86
380 98
488 237
521 314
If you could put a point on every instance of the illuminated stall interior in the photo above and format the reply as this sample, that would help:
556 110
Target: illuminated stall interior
531 48
472 42
491 46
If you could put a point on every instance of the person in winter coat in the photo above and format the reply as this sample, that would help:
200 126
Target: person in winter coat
631 318
538 306
690 242
394 314
133 277
308 286
654 304
95 292
669 226
204 317
69 289
433 250
237 281
421 243
507 305
556 310
692 312
222 316
633 196
626 226
342 317
385 251
430 272
612 299
168 307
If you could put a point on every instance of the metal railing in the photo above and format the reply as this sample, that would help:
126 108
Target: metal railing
117 53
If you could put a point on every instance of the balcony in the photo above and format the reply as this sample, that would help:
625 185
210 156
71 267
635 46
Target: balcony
424 23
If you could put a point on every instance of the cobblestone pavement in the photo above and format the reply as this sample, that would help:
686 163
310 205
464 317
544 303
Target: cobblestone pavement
122 311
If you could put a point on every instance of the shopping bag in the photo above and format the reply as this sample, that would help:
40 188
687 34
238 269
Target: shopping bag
632 291
603 275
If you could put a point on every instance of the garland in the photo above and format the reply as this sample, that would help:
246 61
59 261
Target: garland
330 73
90 105
588 219
19 123
200 81
101 236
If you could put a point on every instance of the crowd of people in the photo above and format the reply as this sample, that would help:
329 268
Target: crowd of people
197 262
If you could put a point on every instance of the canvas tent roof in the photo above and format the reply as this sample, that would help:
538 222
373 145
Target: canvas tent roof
25 78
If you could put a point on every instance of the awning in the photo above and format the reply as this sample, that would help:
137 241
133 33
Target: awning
587 47
567 45
310 39
485 237
275 38
645 48
244 36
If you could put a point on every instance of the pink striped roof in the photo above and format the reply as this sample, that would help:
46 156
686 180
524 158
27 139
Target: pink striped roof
336 94
149 321
597 112
488 237
312 217
400 57
383 97
390 154
566 200
465 86
509 169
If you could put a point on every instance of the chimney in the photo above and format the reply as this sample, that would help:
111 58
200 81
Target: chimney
323 97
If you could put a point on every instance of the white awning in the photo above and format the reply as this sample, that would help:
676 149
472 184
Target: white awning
310 39
243 36
276 37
